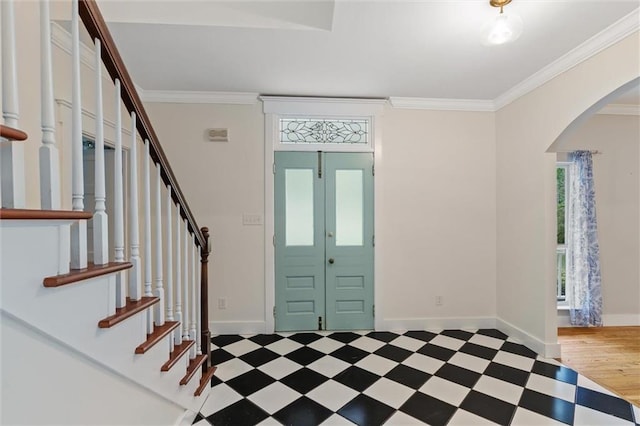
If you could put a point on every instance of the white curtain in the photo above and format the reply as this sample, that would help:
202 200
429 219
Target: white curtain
584 293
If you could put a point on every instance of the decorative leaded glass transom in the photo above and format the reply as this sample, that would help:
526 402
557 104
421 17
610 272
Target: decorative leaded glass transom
324 131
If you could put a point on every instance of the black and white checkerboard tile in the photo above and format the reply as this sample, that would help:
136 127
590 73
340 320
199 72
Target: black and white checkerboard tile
371 378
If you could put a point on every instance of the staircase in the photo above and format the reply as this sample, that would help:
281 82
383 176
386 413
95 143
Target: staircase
132 311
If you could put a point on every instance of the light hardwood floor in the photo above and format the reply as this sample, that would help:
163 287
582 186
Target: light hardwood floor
610 356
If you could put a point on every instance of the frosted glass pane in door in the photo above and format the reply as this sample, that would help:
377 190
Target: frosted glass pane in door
349 208
299 207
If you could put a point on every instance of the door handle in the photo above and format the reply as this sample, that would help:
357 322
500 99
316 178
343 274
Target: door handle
331 260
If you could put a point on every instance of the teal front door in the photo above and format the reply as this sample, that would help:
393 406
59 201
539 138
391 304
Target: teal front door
324 241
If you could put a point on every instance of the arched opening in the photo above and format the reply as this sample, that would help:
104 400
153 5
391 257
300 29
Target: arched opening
613 136
560 143
610 129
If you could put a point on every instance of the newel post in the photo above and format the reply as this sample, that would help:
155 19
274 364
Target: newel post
204 299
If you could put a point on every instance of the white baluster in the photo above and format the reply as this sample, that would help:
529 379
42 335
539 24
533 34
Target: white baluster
185 285
9 68
178 334
135 275
118 204
159 291
169 259
49 157
100 221
79 228
11 153
147 234
196 299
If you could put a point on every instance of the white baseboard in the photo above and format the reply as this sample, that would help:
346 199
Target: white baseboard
186 419
435 324
547 350
608 320
563 318
237 327
393 324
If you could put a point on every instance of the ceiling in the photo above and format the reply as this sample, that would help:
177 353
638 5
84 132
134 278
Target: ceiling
347 48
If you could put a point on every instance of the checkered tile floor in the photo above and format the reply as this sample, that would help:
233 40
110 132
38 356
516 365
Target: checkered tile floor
371 378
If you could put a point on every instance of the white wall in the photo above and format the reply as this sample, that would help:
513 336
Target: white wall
43 383
221 182
435 198
435 217
616 175
526 186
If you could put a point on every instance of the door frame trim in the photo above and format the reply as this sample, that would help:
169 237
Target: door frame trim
275 107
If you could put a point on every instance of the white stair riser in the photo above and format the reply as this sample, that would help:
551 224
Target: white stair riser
70 313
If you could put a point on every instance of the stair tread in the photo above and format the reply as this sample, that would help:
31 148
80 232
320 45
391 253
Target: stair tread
177 353
31 214
205 380
159 332
194 364
12 134
131 308
91 271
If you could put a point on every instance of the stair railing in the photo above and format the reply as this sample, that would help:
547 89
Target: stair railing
184 298
90 15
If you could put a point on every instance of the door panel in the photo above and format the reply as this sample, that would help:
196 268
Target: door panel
299 212
349 242
324 241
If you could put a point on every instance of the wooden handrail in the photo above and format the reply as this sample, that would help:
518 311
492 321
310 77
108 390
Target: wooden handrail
97 28
12 134
29 214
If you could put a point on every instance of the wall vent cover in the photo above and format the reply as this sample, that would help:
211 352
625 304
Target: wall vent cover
218 135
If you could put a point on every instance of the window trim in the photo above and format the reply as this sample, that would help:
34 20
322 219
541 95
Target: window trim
276 108
562 302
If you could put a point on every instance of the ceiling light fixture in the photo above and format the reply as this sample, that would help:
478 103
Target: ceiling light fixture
504 28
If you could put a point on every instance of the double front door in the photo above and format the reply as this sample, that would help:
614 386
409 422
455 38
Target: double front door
324 241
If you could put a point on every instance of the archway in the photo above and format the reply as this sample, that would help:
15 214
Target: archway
558 144
526 193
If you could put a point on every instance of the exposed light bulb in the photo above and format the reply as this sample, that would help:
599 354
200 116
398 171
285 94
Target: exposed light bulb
503 29
500 32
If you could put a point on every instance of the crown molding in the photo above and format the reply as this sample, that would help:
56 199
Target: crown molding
475 105
322 106
193 97
605 38
620 109
61 38
139 89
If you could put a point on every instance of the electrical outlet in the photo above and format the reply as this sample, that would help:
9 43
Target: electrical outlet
222 303
439 300
252 219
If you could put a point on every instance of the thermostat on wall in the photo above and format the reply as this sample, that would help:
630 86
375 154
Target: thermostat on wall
218 135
